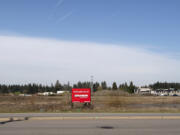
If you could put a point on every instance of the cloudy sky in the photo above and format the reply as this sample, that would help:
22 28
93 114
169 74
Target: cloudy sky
118 40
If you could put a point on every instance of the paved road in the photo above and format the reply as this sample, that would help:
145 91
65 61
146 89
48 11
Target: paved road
91 127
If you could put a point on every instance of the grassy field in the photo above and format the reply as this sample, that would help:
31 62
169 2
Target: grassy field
102 102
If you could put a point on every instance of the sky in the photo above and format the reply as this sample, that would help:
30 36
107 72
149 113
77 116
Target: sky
70 40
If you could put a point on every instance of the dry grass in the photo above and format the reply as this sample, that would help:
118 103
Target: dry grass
104 101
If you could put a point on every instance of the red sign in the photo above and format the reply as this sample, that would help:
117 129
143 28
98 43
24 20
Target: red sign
82 95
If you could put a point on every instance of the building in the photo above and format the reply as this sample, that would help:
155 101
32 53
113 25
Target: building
166 92
143 91
60 92
46 94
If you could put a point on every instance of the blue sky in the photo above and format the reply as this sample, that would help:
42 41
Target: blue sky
151 23
137 37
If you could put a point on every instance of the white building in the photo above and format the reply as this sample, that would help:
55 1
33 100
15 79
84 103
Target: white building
167 92
60 92
158 92
143 90
46 94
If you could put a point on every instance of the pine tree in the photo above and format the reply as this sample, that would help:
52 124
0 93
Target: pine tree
58 86
104 85
95 86
114 86
131 87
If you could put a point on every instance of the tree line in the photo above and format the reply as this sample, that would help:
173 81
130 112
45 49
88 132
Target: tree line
39 88
165 85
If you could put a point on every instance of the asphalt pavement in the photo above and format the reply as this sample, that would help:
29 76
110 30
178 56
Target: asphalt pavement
90 123
91 127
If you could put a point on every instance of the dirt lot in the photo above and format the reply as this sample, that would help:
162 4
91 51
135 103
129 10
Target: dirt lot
102 102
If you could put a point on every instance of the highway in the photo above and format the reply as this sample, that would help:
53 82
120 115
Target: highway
90 124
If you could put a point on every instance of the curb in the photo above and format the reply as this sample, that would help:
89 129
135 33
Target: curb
95 118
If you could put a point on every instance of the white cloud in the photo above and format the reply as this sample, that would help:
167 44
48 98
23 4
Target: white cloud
24 60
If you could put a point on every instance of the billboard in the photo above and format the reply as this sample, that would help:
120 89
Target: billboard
82 95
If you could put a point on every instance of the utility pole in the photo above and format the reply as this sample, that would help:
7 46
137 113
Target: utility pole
91 84
68 86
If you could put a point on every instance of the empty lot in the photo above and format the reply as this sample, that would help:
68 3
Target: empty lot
102 102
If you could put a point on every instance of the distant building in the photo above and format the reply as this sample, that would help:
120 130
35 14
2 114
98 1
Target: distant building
60 92
46 94
166 92
158 92
25 95
143 90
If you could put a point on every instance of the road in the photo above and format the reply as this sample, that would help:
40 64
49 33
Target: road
146 124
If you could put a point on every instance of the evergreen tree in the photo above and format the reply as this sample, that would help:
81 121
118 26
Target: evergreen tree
79 85
114 86
104 85
95 86
58 86
131 87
